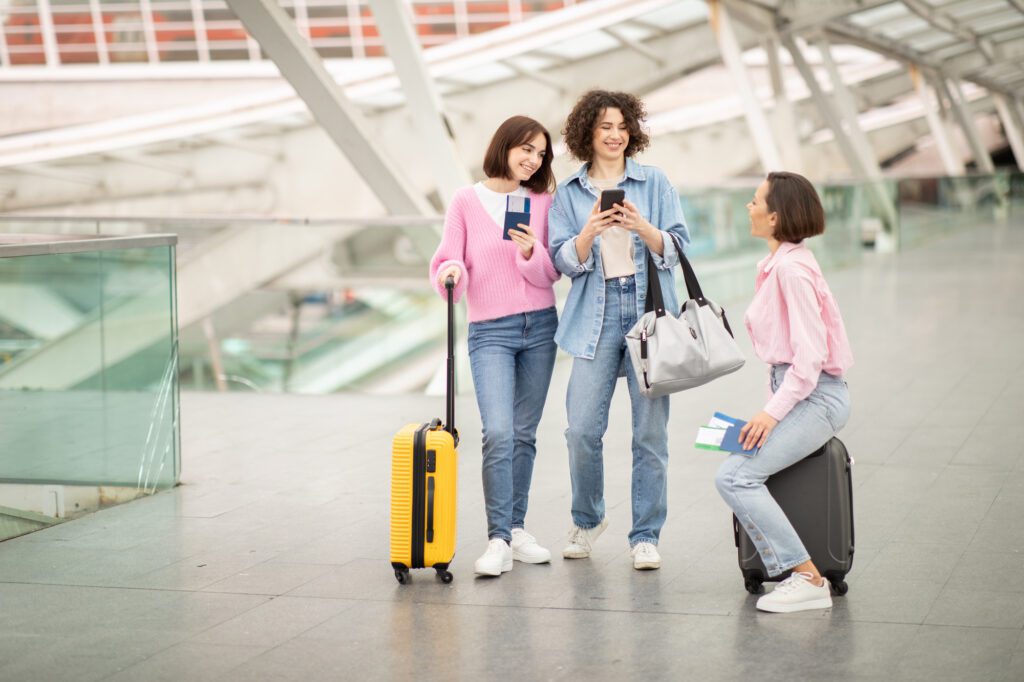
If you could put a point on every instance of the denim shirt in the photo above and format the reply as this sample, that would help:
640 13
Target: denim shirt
646 186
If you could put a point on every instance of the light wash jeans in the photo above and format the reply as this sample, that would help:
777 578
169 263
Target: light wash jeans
511 358
741 479
591 385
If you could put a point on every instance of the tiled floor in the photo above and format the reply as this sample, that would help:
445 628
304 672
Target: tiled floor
270 561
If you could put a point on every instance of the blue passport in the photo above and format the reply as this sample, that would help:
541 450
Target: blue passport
517 210
731 440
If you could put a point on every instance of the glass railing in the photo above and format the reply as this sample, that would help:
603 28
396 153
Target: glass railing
88 374
319 306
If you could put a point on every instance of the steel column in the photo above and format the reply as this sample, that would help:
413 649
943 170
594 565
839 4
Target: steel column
732 55
1012 127
302 68
933 110
962 110
422 100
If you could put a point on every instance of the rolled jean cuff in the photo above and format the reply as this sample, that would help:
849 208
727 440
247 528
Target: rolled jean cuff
650 541
499 536
792 565
586 526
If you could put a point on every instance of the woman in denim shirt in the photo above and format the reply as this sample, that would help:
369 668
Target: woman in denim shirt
605 256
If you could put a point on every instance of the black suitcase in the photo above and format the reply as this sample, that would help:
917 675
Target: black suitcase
816 494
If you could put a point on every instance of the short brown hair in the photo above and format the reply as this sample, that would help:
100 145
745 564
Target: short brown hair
796 202
579 127
512 133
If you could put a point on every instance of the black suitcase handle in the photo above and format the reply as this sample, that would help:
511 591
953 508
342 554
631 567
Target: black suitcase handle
449 284
430 509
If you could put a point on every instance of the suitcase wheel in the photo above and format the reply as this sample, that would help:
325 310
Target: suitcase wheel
402 575
445 575
840 587
753 585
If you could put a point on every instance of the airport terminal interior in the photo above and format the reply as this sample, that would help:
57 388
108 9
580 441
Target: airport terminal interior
216 224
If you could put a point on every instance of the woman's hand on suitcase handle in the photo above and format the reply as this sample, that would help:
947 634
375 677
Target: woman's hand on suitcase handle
453 271
755 432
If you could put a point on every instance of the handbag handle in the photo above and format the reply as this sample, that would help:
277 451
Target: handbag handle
655 298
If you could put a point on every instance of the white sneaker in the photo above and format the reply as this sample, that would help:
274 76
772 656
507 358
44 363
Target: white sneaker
796 593
526 549
645 556
496 560
581 540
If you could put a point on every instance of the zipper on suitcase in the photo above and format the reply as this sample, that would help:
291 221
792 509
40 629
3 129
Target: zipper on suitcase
419 475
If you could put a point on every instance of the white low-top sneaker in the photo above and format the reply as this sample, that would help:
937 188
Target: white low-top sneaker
796 593
645 556
526 549
496 560
581 540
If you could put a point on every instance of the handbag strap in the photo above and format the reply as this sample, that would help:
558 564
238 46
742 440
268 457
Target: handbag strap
655 298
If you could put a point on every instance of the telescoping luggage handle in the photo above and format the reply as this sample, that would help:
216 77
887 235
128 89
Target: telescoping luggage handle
449 284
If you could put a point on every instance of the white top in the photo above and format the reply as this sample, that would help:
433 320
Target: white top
616 242
494 202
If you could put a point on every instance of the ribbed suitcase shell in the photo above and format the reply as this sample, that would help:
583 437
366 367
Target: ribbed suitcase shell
816 494
439 548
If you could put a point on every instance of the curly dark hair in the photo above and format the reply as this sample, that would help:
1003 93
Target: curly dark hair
579 127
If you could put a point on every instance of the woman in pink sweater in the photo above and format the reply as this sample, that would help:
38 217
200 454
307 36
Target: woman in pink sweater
512 321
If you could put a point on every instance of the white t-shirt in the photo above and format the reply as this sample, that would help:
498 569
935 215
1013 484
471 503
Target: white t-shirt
494 202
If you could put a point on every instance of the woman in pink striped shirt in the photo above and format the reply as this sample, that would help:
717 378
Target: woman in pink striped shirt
795 326
508 283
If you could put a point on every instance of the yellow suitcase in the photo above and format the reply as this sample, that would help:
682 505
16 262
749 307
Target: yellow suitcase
423 485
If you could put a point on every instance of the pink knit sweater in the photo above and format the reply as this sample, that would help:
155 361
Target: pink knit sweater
495 277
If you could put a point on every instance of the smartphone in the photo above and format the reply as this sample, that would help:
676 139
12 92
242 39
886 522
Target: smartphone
610 197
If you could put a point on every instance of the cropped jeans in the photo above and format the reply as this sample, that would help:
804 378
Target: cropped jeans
741 479
511 359
591 385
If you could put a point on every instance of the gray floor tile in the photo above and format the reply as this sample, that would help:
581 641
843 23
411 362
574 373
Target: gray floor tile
274 622
191 661
957 653
270 577
977 608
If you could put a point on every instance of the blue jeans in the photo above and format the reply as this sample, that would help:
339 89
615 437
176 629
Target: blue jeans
741 479
511 359
590 394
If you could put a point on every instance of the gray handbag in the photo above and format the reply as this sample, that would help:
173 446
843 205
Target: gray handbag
672 354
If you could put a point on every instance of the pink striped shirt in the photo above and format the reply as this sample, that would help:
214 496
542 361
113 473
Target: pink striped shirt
794 320
495 277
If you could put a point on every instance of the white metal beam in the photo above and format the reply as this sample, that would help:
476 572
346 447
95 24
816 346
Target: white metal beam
422 99
832 119
1012 127
876 191
732 55
848 111
783 116
962 111
49 35
199 26
628 42
99 32
932 103
302 67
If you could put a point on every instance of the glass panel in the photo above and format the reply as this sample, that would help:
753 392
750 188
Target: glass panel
88 378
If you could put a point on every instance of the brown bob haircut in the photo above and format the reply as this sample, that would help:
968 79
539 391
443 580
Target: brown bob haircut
583 119
796 202
516 131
